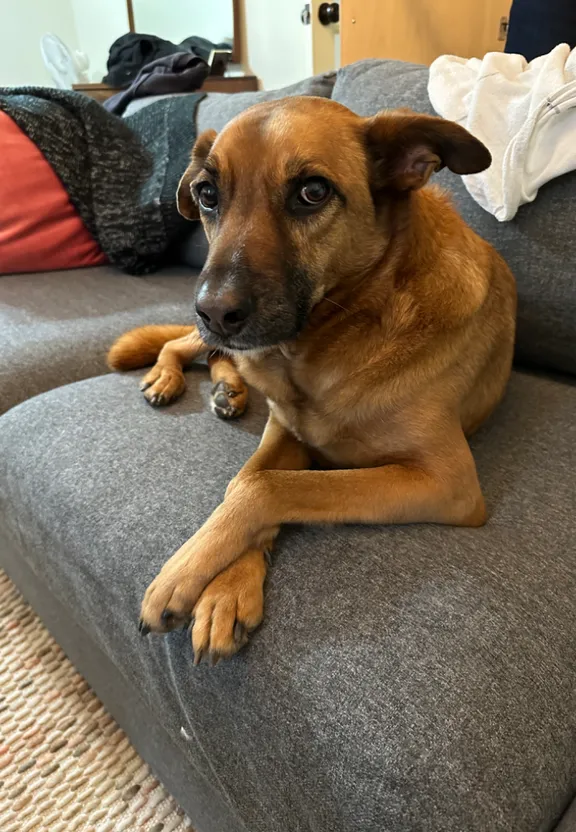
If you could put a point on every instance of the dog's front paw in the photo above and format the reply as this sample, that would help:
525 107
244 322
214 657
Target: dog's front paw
228 401
214 552
163 385
230 607
170 599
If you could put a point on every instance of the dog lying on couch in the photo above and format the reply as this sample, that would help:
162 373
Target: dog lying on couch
378 325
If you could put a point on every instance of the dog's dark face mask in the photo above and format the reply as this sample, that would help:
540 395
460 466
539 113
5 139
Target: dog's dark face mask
297 199
241 308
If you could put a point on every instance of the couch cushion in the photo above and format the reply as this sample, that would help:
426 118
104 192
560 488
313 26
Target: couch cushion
39 226
539 244
217 108
56 327
409 677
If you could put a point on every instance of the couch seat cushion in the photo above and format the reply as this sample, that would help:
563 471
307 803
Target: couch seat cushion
56 327
405 678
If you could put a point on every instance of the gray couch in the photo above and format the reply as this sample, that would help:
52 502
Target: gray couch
409 679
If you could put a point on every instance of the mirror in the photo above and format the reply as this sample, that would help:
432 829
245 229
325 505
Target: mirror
176 20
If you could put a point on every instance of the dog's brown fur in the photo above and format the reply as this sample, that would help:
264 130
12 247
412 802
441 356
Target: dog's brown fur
405 350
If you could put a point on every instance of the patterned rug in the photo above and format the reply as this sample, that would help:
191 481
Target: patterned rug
64 763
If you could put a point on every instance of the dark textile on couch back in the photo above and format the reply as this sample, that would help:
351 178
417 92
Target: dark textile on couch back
121 175
539 244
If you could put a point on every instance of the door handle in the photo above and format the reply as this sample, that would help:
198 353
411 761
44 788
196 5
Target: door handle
329 13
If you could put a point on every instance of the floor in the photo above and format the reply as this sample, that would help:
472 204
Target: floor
65 765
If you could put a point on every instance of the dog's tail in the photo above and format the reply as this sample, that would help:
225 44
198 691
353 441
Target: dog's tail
141 347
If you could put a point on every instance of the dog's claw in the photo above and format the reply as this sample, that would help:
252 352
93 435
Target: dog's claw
157 401
143 628
145 385
214 659
198 657
239 632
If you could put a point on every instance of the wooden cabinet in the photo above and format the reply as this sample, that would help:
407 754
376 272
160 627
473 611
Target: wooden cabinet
421 30
214 83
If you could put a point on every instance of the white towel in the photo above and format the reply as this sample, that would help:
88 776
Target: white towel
525 113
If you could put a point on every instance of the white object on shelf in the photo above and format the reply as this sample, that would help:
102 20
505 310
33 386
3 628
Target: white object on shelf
65 67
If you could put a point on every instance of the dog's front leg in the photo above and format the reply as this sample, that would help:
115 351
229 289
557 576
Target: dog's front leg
444 489
225 596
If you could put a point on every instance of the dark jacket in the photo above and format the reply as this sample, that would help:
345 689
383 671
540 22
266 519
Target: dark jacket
182 72
130 53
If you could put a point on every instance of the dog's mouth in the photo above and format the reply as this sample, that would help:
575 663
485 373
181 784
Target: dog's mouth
257 336
260 311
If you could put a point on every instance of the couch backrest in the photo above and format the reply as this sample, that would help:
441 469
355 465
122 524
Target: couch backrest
539 244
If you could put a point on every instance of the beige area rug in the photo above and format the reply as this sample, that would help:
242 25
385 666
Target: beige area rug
64 763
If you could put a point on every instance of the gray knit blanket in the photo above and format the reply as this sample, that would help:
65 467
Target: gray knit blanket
121 174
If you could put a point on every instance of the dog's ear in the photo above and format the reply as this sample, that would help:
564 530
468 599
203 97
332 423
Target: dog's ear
184 199
405 149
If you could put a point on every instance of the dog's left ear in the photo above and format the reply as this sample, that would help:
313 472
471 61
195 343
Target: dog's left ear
184 199
405 149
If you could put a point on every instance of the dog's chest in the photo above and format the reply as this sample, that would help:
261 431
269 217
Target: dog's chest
293 395
306 397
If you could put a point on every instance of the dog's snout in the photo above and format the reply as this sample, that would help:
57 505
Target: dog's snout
224 314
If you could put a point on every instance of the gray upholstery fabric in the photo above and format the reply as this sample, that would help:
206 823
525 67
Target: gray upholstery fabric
218 108
539 243
410 678
568 822
56 327
368 86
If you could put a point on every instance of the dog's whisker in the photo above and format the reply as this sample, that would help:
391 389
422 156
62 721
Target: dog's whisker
336 304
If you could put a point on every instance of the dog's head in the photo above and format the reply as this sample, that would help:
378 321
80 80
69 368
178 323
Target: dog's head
296 196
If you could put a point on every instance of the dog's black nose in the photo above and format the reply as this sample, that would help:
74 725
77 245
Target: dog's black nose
224 314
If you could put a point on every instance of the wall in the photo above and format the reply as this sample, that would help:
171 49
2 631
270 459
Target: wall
277 47
22 24
178 19
98 24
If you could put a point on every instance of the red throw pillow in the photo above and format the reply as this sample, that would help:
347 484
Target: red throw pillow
39 227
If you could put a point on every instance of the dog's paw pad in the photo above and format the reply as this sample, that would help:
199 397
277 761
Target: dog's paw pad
227 402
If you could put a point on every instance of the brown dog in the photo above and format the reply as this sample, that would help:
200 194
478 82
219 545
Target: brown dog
375 321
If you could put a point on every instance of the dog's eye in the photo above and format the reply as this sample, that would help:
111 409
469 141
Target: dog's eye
314 193
207 196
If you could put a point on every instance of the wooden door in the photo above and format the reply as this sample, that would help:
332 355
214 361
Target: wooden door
325 41
420 30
